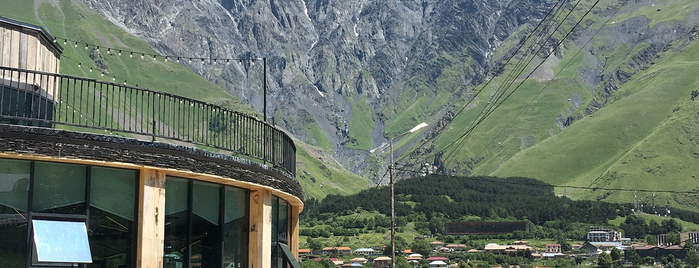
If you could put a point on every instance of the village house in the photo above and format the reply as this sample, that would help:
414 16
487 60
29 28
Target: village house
382 262
365 251
337 250
456 248
436 245
438 264
512 250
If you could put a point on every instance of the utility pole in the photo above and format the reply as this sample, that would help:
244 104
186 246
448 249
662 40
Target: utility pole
391 167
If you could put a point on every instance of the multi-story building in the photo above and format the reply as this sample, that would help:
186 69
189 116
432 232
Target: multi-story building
118 176
553 248
602 234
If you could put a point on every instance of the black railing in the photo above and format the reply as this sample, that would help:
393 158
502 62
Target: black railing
46 100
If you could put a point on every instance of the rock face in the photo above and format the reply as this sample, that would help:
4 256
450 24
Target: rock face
324 54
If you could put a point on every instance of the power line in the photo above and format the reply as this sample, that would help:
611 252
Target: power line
554 78
466 135
554 9
545 24
509 84
511 57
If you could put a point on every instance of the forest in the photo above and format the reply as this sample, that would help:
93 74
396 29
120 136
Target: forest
432 200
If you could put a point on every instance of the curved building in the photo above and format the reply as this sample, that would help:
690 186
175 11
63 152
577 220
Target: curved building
97 174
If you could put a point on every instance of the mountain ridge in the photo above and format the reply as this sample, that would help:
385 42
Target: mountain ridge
345 77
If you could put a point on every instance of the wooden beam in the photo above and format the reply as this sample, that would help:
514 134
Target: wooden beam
14 50
260 242
151 219
6 46
294 230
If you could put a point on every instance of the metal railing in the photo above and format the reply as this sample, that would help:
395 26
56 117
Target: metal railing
46 100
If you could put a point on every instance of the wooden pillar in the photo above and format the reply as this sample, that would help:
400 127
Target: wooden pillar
294 230
260 229
151 219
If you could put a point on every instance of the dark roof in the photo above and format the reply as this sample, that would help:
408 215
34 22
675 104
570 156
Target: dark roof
31 27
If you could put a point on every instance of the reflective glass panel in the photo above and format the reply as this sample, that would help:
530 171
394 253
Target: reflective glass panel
176 192
205 225
59 188
235 234
111 226
14 195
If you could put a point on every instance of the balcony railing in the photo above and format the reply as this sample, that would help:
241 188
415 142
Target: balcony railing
49 100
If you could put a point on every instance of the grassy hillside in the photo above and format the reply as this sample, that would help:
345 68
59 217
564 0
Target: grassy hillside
643 137
68 19
320 175
643 140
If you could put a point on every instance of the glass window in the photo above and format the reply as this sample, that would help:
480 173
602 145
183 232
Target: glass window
59 188
235 233
283 229
280 227
176 222
205 225
111 222
14 196
61 242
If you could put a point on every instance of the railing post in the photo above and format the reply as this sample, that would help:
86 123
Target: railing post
153 104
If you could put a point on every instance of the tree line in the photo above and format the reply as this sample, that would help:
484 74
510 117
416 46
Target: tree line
433 200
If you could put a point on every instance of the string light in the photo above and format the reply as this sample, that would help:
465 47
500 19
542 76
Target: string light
204 60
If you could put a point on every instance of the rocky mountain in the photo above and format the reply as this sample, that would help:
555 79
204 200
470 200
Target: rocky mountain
614 106
343 75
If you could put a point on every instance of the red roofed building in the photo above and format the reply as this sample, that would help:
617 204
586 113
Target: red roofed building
437 258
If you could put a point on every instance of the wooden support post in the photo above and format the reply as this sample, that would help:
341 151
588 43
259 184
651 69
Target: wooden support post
151 219
260 229
294 230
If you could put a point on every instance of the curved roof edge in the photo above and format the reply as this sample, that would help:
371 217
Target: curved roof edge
62 143
38 29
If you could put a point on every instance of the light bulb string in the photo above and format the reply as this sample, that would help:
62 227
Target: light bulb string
143 55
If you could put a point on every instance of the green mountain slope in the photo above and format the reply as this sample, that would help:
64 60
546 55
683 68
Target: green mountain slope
645 140
74 21
618 115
